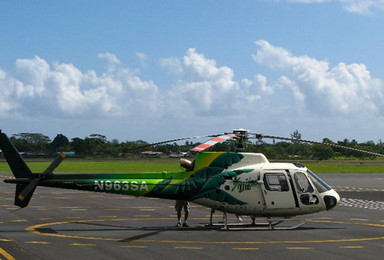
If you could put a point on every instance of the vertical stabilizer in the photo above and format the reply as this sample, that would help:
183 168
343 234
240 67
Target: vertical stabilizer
17 164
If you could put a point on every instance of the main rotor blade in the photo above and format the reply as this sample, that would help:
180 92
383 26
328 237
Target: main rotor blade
212 142
260 136
54 164
174 140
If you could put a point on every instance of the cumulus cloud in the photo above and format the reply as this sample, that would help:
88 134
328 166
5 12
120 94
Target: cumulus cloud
36 88
345 89
201 89
207 89
364 7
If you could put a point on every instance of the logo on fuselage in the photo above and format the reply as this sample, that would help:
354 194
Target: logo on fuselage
243 185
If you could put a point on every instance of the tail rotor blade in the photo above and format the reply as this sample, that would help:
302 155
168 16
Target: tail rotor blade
28 189
54 164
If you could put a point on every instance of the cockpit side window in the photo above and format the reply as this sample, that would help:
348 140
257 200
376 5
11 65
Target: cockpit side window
276 182
302 183
319 183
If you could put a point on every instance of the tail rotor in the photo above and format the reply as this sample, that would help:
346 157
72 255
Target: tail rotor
23 197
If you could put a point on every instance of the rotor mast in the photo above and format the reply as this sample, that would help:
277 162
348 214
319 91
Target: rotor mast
242 137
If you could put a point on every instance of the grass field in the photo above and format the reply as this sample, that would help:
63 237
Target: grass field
92 166
172 165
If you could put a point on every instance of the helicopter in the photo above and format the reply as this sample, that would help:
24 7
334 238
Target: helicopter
236 182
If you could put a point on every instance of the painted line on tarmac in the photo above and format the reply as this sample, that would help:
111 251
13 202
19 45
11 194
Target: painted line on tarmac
351 247
299 248
6 254
188 247
80 244
355 189
131 246
245 248
34 229
38 242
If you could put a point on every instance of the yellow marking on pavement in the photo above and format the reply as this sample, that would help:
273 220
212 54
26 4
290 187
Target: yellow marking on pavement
45 218
79 244
112 209
359 219
188 247
245 248
33 229
147 209
79 209
142 216
6 240
299 248
323 218
6 255
18 220
38 242
134 246
111 216
351 247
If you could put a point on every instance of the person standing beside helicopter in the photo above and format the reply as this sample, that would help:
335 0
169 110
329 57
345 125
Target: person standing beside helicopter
179 205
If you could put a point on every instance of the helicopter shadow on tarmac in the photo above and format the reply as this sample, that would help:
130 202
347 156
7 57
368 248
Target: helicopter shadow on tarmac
156 230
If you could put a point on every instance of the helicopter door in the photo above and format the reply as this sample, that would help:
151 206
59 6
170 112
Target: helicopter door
277 191
305 192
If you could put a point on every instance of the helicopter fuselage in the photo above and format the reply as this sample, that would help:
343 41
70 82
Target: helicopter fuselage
239 183
274 189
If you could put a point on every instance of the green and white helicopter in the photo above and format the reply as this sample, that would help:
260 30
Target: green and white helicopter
232 182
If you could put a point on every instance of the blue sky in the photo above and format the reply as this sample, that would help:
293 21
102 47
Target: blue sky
156 70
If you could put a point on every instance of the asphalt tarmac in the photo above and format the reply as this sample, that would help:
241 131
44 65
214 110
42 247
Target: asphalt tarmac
65 224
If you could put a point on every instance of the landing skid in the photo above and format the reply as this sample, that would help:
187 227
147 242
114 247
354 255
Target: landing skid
271 224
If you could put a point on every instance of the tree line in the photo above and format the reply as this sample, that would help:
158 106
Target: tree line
96 145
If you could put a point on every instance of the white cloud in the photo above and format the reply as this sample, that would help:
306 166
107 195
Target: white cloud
364 7
32 74
35 88
202 93
173 64
111 58
207 89
142 57
345 89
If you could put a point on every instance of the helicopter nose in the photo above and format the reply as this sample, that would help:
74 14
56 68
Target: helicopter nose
332 199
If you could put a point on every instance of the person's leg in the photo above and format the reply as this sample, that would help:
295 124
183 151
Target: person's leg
178 208
186 214
178 218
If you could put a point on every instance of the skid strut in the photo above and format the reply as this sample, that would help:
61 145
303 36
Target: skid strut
270 224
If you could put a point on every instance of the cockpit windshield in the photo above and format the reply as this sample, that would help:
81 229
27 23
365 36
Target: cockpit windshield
319 183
